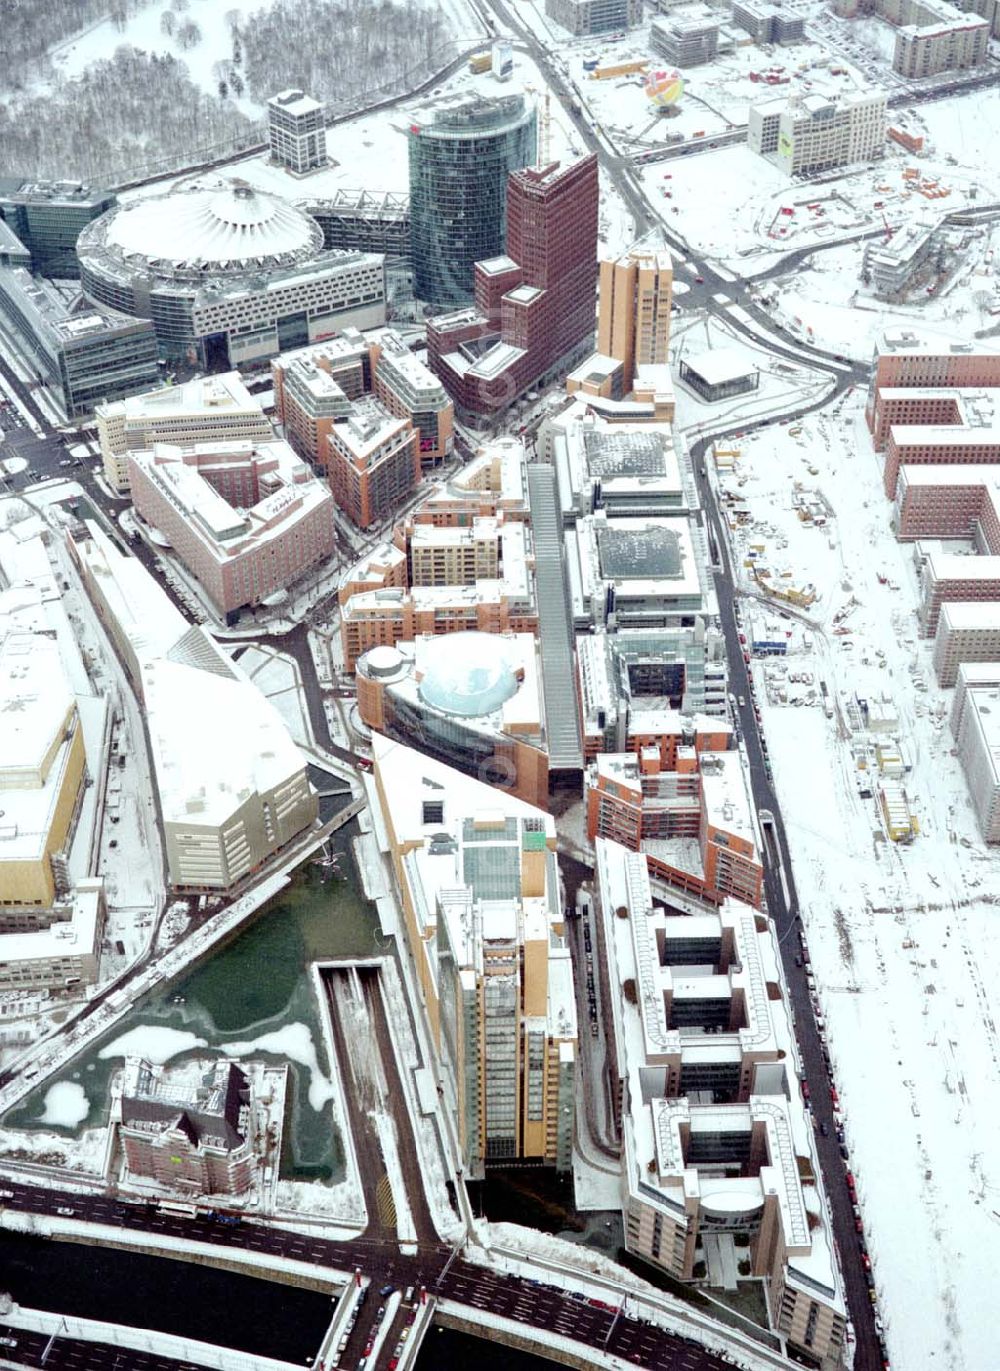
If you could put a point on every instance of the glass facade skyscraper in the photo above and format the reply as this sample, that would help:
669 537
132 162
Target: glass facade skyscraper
461 152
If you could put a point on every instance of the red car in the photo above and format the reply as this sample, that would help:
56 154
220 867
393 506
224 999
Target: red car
849 1178
699 280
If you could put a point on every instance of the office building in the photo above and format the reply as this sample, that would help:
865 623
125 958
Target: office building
82 353
372 461
13 253
52 759
889 265
534 310
633 322
636 573
768 23
625 672
477 878
975 726
197 1138
462 150
229 275
680 798
809 134
472 699
718 1152
967 631
296 132
626 470
582 18
314 388
48 217
364 221
232 789
912 445
43 759
247 519
684 42
209 409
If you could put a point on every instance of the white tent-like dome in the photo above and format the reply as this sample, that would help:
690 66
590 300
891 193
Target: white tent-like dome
236 226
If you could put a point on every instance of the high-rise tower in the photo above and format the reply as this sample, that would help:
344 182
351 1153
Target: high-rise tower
461 152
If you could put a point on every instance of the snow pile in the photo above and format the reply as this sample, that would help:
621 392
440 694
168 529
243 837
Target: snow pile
294 1043
156 1042
66 1104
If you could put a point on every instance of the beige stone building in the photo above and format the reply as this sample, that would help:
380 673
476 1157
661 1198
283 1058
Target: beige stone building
211 409
633 323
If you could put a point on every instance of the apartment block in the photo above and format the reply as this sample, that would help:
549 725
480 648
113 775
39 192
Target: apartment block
373 462
684 42
937 445
296 132
966 632
634 302
905 360
684 805
477 877
957 43
384 603
410 390
946 577
809 134
949 502
975 726
718 1151
247 519
210 409
314 388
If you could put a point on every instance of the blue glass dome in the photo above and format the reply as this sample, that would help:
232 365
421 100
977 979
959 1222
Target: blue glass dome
466 674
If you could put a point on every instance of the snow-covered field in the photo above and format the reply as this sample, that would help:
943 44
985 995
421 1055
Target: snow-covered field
901 937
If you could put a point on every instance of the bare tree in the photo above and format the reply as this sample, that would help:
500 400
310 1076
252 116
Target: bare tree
168 23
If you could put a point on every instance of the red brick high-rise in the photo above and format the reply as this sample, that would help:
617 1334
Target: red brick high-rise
535 306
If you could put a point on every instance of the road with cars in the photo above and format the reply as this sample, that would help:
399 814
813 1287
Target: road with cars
600 1326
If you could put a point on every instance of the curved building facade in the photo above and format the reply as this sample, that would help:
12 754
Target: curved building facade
461 152
228 274
470 699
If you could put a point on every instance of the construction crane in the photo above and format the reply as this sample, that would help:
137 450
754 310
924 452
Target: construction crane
545 126
888 230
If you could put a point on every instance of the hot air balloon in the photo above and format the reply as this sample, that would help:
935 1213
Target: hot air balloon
663 88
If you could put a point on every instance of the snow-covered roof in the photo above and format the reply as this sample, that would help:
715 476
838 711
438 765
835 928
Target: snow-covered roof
215 741
720 365
234 226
